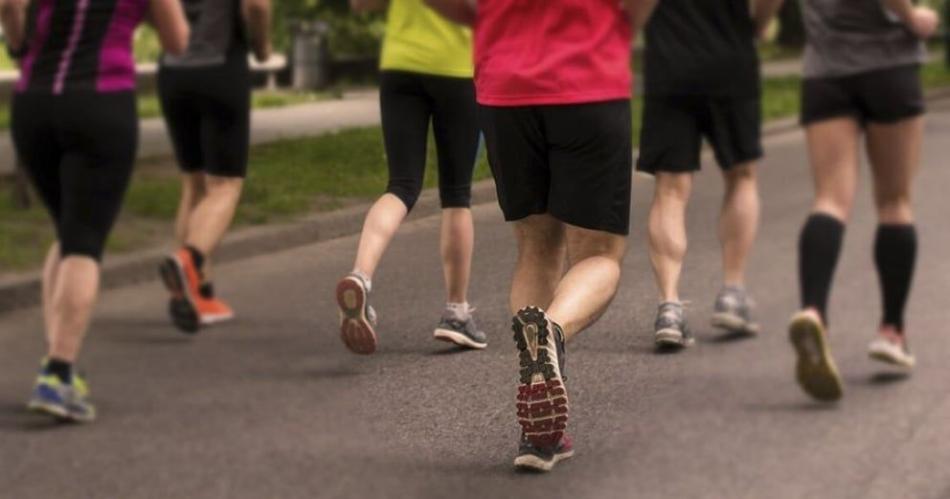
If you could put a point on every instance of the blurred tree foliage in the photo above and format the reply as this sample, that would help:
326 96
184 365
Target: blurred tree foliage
351 35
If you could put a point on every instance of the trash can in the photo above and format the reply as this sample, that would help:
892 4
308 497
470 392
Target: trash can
311 60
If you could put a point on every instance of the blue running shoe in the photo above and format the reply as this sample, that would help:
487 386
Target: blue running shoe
66 402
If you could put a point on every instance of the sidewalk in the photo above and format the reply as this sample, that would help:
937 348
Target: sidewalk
355 109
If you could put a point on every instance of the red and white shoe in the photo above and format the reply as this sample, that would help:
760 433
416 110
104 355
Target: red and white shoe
890 347
542 397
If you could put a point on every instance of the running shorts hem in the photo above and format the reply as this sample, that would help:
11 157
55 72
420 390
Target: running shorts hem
882 96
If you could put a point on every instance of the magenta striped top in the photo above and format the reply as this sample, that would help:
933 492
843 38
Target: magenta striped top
80 45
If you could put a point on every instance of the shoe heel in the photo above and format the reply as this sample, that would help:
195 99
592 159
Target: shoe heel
542 403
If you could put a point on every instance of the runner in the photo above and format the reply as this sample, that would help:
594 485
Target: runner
426 77
861 77
554 87
75 127
702 80
205 95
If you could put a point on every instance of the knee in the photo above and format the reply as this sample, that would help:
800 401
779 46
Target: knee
406 190
455 196
895 210
88 245
223 186
739 176
592 244
673 187
540 240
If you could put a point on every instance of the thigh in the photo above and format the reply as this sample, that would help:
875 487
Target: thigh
406 112
669 138
894 152
734 130
827 99
833 153
891 95
455 127
38 150
182 113
226 127
517 154
590 149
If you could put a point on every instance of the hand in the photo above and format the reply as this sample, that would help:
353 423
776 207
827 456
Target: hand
923 22
262 53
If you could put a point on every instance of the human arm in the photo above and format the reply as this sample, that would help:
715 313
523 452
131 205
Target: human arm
257 17
168 18
13 19
460 11
763 11
922 21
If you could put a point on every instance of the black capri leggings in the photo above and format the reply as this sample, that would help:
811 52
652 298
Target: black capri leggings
79 150
408 101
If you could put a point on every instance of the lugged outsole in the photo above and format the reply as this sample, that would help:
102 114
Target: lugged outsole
181 309
671 339
355 330
542 401
815 369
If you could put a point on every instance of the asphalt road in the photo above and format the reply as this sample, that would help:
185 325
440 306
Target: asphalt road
272 406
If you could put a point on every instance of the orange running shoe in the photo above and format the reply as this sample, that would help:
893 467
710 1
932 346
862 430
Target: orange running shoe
214 311
182 279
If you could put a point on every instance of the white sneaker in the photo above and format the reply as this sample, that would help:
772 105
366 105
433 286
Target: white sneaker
891 348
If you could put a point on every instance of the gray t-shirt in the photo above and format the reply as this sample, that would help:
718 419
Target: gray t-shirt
847 37
216 34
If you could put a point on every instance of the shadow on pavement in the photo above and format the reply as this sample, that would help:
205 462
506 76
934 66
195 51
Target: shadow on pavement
725 338
801 406
454 350
15 418
887 378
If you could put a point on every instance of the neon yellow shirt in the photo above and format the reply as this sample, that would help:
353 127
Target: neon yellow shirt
420 40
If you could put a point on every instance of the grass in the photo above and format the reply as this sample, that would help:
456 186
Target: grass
291 178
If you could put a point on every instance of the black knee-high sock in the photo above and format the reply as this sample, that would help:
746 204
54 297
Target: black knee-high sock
895 254
818 250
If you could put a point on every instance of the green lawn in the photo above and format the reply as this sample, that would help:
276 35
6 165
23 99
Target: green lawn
288 179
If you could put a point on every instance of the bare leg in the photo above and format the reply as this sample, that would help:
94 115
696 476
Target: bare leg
738 222
541 256
382 221
75 293
833 151
668 231
584 293
894 151
192 192
458 239
213 215
50 273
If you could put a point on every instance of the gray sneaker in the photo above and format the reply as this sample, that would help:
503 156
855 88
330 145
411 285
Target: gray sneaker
733 312
670 328
462 332
357 317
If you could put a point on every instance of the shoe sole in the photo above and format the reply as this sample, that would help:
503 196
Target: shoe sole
531 462
355 330
542 401
671 339
210 320
457 338
58 412
815 370
181 308
734 324
889 358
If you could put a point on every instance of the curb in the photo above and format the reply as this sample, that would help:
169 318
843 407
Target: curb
24 291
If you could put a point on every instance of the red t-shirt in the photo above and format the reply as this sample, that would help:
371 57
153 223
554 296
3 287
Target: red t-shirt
538 52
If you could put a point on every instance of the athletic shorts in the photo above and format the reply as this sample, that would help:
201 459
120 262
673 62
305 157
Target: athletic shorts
673 129
208 114
78 150
573 162
881 96
409 102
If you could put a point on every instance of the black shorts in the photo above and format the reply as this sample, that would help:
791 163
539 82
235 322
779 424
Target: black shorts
79 151
881 96
673 129
208 114
409 102
573 162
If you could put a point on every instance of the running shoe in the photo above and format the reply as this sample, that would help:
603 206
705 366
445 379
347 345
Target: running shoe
733 312
66 402
670 328
79 379
357 317
461 332
214 311
534 459
816 371
183 280
542 397
891 347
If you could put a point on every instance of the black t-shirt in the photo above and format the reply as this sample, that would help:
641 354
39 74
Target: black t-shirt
701 47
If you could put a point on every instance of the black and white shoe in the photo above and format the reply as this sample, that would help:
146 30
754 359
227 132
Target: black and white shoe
670 329
532 458
461 331
542 397
733 312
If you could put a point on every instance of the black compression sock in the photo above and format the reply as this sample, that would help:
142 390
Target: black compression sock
206 290
197 256
895 253
61 369
818 250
